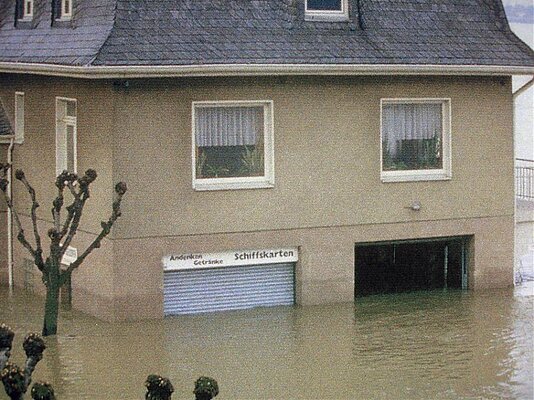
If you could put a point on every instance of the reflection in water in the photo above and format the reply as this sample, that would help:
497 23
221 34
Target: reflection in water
427 345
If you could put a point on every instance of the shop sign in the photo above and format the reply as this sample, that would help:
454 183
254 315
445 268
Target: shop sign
176 262
71 254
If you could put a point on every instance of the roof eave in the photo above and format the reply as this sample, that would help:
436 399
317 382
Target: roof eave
169 71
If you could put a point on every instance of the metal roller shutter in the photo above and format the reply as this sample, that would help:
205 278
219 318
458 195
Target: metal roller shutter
229 288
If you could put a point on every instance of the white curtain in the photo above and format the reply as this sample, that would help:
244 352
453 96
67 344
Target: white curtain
228 126
409 121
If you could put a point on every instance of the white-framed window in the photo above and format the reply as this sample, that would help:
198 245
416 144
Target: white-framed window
25 10
64 9
326 10
232 145
66 132
19 117
415 137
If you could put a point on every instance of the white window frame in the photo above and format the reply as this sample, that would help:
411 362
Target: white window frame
62 121
327 15
19 117
445 173
27 16
66 15
242 182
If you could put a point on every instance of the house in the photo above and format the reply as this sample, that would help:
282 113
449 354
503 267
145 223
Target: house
276 151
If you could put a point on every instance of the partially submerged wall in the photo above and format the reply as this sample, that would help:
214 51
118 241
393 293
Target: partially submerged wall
327 195
92 283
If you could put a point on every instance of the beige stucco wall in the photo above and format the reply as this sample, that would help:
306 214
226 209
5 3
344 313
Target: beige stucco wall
327 195
327 165
325 271
36 156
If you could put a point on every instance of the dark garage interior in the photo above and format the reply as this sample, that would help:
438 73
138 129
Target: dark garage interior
405 266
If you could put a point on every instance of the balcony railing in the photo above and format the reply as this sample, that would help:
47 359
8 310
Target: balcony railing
524 179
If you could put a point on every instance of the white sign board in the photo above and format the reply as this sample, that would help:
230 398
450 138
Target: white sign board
176 262
71 254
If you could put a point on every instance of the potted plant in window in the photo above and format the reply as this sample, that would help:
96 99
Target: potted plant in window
252 162
212 171
201 162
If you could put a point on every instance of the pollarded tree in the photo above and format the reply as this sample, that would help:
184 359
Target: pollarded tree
61 233
17 380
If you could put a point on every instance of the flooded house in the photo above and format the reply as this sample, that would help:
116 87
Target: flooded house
277 152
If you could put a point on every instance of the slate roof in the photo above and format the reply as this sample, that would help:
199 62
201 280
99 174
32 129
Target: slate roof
203 32
5 125
67 43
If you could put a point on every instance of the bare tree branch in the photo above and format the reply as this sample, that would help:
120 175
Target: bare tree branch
64 179
19 174
37 256
120 189
76 208
57 205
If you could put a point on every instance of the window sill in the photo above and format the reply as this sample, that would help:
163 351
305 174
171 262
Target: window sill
232 183
6 139
323 17
25 23
414 176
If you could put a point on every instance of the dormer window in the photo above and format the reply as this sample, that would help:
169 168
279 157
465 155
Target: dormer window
64 9
25 11
326 10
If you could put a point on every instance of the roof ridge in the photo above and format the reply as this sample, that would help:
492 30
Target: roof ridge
497 8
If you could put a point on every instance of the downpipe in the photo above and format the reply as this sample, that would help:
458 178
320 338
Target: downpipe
10 262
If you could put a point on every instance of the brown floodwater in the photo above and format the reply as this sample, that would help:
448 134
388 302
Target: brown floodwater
427 345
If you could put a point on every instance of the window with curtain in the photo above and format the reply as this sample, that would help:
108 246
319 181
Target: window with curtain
415 136
230 141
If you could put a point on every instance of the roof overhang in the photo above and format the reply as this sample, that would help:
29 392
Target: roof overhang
170 71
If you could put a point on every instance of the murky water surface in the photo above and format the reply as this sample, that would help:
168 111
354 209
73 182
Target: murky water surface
433 345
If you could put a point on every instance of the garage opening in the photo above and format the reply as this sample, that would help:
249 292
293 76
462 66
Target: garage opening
405 266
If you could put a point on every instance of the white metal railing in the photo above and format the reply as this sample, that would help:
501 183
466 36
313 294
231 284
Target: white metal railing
524 179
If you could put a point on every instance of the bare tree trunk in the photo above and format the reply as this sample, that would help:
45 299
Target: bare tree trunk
52 299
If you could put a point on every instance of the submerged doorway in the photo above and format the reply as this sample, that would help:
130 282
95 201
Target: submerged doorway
405 266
